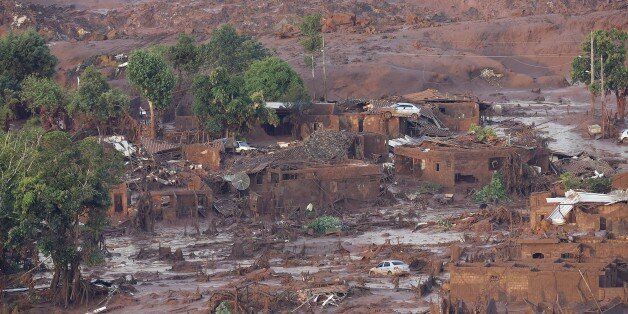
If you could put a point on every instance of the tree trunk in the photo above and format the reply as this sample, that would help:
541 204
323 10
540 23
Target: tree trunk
151 109
592 104
621 104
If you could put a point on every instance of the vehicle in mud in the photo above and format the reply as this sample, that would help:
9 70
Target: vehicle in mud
390 268
402 109
242 146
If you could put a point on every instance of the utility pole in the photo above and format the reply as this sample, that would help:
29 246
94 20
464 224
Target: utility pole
603 106
592 78
324 72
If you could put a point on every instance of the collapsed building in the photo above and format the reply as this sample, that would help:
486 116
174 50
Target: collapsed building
463 166
324 172
580 211
557 284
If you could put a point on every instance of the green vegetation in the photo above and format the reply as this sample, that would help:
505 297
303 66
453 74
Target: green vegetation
233 52
276 80
494 192
151 75
610 46
325 224
594 185
21 55
445 224
44 97
430 188
312 41
57 182
483 134
95 100
224 106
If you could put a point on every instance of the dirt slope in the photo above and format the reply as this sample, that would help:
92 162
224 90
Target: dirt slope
375 48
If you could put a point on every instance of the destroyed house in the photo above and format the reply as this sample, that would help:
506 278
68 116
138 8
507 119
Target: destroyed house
287 187
184 130
455 166
316 117
580 248
170 204
119 210
514 282
456 115
580 211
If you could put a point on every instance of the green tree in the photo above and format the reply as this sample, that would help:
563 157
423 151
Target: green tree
276 80
17 157
96 101
185 57
149 73
67 181
225 108
21 55
44 96
312 41
609 46
25 54
231 51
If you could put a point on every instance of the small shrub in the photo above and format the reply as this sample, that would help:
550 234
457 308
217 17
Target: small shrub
482 134
223 308
598 185
430 188
325 224
494 192
570 181
445 224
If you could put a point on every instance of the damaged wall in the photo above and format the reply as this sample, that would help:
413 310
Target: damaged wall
458 167
203 154
278 190
539 283
457 116
369 122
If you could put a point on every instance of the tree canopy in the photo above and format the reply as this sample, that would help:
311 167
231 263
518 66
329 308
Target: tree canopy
52 183
311 27
25 54
46 97
185 55
276 80
233 52
151 75
610 46
224 107
95 99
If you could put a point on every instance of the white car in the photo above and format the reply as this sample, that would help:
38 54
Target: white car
403 109
393 267
242 146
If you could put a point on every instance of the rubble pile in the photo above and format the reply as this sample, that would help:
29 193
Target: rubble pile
328 145
586 166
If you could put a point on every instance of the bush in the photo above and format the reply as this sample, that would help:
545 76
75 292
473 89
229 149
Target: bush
430 188
570 181
325 224
482 134
598 185
594 185
494 192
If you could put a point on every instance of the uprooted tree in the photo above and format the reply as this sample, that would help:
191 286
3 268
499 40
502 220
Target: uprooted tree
64 183
151 75
609 51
